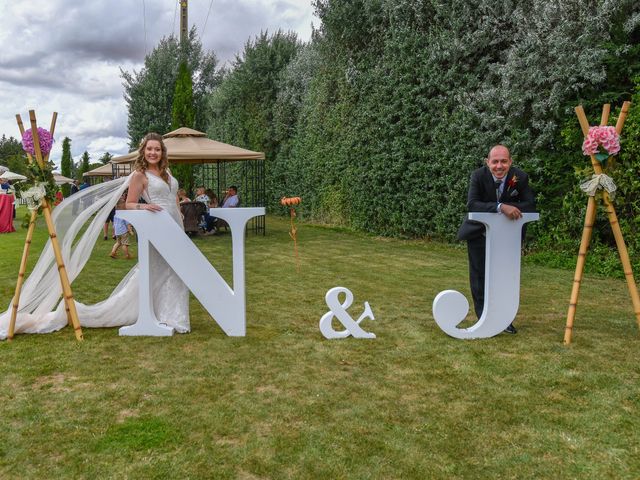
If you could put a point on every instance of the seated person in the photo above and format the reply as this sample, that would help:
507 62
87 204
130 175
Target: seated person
182 196
209 220
201 196
213 198
231 199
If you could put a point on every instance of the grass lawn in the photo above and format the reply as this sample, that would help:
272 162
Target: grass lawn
283 402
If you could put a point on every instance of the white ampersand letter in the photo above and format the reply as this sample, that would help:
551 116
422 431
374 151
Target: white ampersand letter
339 310
501 284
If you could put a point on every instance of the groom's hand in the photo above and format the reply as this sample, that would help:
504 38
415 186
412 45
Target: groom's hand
510 211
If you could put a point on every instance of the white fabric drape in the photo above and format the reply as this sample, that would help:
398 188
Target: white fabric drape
42 291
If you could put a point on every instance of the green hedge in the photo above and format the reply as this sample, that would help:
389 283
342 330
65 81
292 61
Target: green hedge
379 120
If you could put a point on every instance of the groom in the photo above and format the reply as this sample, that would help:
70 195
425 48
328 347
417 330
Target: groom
496 187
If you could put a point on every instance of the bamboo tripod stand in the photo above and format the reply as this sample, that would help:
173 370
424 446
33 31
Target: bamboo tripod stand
67 295
589 220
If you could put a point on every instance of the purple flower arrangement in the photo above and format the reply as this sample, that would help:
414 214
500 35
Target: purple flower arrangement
46 141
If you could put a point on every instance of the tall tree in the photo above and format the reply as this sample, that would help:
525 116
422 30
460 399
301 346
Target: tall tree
183 115
183 111
149 93
84 165
105 158
66 164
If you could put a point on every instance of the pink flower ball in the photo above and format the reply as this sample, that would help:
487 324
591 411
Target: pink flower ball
607 137
46 141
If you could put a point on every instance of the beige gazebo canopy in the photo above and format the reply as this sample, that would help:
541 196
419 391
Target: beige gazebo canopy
186 145
105 170
61 179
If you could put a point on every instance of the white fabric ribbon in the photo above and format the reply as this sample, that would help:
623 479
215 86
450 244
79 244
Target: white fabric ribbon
599 182
34 196
78 222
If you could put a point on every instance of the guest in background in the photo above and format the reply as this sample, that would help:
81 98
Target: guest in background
5 187
182 196
122 229
74 187
231 199
213 198
210 221
201 196
105 227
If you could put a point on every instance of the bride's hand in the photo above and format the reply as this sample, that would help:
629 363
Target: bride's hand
149 206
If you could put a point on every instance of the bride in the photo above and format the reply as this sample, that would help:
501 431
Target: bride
41 292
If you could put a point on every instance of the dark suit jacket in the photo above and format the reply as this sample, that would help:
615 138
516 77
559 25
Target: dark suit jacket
482 197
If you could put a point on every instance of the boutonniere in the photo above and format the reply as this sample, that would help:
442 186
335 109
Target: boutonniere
512 182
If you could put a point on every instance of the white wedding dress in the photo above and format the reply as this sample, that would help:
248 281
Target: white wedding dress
42 291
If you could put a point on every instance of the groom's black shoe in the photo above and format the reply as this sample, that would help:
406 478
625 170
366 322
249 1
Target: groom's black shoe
510 329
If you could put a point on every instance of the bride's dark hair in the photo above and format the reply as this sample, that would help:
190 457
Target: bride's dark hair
141 163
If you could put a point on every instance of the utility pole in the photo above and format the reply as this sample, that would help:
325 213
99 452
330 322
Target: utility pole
184 22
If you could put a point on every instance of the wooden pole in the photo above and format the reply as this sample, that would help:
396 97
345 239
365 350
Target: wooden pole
584 125
617 232
624 111
589 220
587 230
294 236
25 251
52 128
46 210
21 273
588 227
619 124
604 118
624 256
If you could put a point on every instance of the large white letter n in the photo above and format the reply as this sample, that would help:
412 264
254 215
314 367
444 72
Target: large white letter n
224 304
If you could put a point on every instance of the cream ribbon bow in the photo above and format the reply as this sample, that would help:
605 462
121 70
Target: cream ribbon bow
599 182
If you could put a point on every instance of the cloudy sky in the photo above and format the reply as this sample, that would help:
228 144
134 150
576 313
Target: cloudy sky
66 57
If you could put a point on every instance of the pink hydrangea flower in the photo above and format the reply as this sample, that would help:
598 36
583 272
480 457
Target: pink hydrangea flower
46 141
605 136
